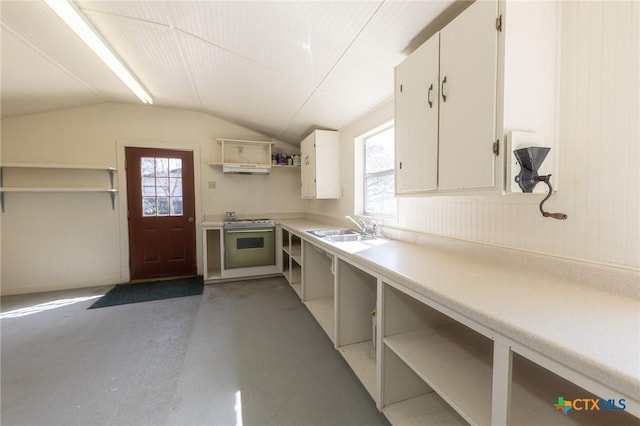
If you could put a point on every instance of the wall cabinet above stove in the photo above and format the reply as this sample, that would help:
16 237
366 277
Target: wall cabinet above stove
244 157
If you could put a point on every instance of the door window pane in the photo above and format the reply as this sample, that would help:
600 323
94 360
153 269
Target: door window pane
148 166
149 206
175 167
176 206
148 187
163 206
162 167
176 187
161 186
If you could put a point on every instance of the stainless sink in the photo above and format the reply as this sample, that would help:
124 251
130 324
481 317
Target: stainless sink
350 237
332 232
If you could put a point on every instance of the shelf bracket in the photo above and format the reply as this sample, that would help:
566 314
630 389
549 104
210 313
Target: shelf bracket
111 173
112 193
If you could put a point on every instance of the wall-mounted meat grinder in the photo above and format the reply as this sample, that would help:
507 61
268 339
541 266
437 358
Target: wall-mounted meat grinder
530 160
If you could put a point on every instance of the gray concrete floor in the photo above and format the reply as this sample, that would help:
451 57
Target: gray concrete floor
242 353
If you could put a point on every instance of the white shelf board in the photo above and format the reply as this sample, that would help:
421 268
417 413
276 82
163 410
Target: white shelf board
286 250
296 274
456 362
422 410
296 253
244 142
250 165
55 189
361 357
296 247
297 287
323 311
57 166
213 273
283 166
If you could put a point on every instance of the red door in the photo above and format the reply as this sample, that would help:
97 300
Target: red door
161 203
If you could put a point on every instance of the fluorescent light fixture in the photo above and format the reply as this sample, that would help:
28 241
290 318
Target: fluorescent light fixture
74 19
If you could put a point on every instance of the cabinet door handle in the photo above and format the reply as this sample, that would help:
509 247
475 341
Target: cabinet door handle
306 160
429 96
444 93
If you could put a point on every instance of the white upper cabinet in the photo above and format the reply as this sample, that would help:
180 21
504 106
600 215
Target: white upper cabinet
491 70
320 172
468 62
416 124
446 105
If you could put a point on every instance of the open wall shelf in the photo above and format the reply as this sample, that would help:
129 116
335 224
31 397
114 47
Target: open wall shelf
55 174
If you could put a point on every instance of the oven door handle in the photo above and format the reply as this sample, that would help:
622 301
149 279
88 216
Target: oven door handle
246 231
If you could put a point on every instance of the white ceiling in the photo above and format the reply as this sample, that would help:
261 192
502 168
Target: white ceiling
280 68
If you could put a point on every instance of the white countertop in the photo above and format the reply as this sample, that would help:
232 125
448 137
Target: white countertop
588 329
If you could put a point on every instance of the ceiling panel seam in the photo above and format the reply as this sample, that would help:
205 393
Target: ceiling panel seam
373 14
290 123
54 62
117 15
183 60
344 52
243 57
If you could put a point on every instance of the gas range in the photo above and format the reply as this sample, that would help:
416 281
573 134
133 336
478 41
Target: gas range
249 223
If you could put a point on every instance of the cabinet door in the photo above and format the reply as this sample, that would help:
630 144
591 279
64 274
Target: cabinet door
416 122
308 167
327 166
468 63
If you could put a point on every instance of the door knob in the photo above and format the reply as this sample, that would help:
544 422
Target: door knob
190 219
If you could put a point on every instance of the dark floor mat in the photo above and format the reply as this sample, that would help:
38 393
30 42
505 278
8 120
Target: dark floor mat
155 290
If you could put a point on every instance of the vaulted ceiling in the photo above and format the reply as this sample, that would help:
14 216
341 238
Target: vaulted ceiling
280 68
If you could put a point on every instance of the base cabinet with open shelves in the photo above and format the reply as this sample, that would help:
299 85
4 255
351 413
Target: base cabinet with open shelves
213 248
452 360
356 306
318 286
292 260
424 363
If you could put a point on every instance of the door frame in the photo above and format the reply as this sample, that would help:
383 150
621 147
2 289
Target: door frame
122 197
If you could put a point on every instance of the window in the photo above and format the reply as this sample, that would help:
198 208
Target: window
378 171
161 186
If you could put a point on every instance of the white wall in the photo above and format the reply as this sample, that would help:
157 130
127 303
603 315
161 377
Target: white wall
597 160
67 240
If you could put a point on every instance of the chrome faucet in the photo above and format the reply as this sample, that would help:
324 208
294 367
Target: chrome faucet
366 226
362 226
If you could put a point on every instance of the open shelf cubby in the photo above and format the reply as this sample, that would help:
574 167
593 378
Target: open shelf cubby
292 260
356 304
535 390
318 288
295 278
408 400
296 249
452 359
213 256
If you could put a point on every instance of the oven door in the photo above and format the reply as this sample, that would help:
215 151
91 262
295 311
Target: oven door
249 247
